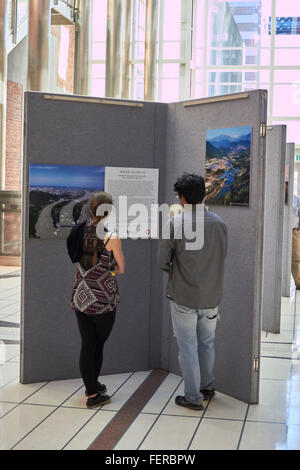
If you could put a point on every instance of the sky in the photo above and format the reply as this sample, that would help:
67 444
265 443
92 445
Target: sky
232 132
71 176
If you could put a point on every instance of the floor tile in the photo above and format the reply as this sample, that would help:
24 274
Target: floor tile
20 421
278 350
13 317
277 347
136 432
293 438
177 432
287 307
112 382
294 416
282 337
273 402
295 394
55 393
225 407
295 371
173 409
6 407
8 372
10 310
5 303
217 434
264 436
279 369
125 392
16 392
162 395
86 436
56 430
9 351
287 322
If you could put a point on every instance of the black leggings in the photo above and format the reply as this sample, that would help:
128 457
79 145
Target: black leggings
94 331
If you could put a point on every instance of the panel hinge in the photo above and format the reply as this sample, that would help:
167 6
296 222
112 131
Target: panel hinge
256 364
263 129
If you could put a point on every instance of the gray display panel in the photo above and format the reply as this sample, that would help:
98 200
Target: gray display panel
84 133
288 223
238 332
273 220
171 138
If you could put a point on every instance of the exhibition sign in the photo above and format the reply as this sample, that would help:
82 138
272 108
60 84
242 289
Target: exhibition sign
228 154
59 196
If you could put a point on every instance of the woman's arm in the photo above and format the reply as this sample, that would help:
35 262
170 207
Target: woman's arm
115 246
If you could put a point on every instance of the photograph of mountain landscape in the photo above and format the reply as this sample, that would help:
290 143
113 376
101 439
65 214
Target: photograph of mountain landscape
228 155
59 196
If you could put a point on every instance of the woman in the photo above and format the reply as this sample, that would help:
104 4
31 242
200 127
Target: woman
95 297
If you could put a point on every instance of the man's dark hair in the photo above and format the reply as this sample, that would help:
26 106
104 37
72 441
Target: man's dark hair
192 187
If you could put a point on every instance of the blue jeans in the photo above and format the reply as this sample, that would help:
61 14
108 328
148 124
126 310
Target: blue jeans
195 333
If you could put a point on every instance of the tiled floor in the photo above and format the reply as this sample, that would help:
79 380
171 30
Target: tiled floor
53 415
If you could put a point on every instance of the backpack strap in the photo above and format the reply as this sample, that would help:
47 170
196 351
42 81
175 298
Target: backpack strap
104 246
110 235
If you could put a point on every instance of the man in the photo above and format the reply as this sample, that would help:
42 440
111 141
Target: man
195 290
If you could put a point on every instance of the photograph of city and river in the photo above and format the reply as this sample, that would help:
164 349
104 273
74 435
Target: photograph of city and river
228 154
58 198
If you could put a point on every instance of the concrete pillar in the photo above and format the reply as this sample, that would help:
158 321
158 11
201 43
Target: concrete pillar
38 45
82 49
126 29
150 49
113 49
3 85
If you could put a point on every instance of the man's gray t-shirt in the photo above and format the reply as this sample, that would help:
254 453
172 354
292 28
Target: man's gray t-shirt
196 276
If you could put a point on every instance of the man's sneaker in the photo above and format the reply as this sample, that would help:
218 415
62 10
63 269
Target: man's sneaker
208 394
101 388
98 400
181 401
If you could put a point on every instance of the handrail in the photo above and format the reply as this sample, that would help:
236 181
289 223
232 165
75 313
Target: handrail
72 6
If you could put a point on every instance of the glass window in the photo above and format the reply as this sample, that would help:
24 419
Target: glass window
140 16
287 57
287 23
63 52
172 20
98 70
231 50
287 76
99 51
286 100
22 9
170 90
171 50
98 87
170 70
99 17
293 130
139 51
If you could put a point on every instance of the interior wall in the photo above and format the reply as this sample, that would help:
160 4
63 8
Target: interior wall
238 332
273 240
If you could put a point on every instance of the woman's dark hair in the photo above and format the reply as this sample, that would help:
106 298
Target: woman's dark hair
192 187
